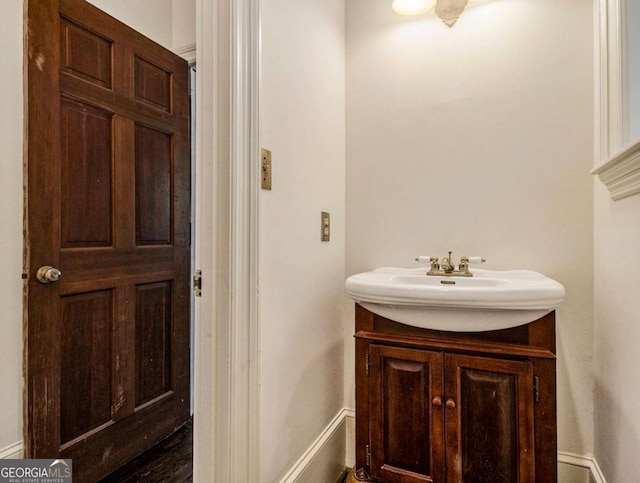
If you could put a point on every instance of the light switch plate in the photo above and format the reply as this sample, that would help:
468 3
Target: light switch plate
325 226
266 169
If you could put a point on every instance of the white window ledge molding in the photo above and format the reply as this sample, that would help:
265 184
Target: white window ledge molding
621 173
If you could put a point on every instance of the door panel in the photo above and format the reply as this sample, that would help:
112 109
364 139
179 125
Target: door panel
406 428
493 400
153 84
489 393
85 53
86 336
86 175
153 186
108 204
153 341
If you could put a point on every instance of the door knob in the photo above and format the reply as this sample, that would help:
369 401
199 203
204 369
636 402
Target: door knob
48 274
437 401
451 404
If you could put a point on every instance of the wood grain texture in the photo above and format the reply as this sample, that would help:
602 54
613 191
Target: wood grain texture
108 175
87 326
406 429
153 341
42 380
85 54
487 377
153 84
364 321
490 431
154 187
86 176
170 461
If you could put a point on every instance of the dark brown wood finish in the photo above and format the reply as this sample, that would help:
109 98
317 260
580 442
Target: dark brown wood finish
86 339
86 176
488 392
545 426
364 319
170 461
107 347
153 341
406 415
489 420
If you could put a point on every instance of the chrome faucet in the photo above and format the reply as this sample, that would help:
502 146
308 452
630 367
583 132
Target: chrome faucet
447 266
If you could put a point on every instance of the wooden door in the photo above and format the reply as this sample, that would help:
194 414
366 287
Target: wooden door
107 346
489 420
406 415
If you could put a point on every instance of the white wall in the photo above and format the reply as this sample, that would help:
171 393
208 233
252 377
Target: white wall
492 106
301 279
11 129
478 139
617 333
617 308
183 24
171 23
149 17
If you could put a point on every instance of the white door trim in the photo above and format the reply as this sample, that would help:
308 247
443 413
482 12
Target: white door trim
611 77
226 429
245 175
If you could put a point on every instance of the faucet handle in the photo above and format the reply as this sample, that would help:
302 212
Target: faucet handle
433 261
476 260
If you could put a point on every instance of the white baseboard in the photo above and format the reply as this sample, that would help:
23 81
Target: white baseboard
588 462
324 460
350 418
11 452
333 450
337 439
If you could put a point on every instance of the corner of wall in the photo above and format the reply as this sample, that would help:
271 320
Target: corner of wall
13 451
324 461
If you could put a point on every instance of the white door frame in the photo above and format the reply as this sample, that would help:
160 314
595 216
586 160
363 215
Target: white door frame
226 416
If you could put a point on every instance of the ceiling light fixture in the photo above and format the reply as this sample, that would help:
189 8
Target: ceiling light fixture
447 10
412 7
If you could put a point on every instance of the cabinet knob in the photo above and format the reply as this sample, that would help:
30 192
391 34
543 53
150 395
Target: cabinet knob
451 404
437 401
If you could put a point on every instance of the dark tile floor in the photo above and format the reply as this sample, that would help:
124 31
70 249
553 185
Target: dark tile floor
169 461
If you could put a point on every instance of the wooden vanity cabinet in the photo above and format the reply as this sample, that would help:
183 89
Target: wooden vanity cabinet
435 406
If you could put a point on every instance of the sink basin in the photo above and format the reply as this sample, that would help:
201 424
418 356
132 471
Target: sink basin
490 300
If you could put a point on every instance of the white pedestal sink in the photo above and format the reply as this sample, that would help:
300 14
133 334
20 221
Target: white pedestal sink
490 300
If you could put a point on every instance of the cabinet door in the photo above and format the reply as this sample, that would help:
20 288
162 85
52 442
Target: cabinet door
406 416
489 420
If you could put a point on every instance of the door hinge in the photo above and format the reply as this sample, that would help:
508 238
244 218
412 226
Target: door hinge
536 389
197 283
367 363
367 456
